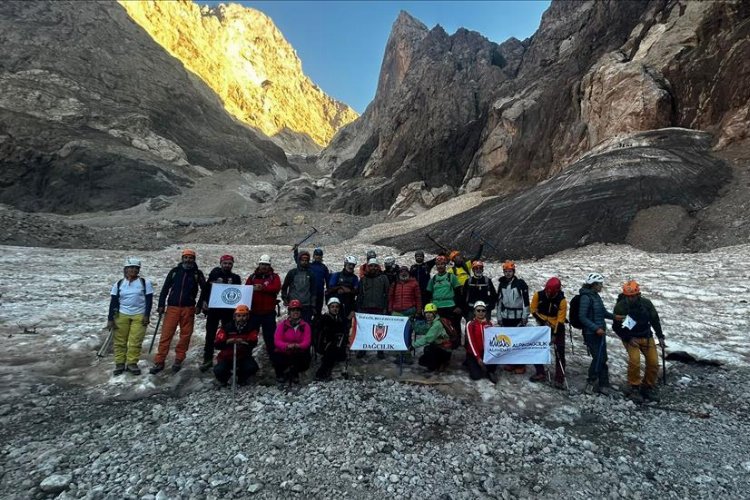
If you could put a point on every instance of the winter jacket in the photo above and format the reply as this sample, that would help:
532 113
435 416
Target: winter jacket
363 270
444 288
475 338
550 311
299 284
643 312
216 273
404 295
436 334
181 287
287 334
373 293
231 331
343 286
320 272
592 312
463 272
333 331
476 289
513 298
264 300
421 272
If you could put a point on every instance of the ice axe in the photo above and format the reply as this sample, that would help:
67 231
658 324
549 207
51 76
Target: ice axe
663 363
158 322
306 237
481 238
104 349
446 249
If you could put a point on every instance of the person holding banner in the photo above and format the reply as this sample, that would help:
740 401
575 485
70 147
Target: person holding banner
436 342
592 315
292 341
266 286
178 294
475 344
222 274
513 304
549 307
334 338
236 331
372 296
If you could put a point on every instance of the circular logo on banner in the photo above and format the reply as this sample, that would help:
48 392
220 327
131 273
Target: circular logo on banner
231 296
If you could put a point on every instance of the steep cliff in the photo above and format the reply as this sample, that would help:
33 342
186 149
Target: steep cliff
245 59
95 115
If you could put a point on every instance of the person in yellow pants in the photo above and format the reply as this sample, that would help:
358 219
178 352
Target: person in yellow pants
636 321
130 305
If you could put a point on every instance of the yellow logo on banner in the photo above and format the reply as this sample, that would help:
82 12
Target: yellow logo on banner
501 340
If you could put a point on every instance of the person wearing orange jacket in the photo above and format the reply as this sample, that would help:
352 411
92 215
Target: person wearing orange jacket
475 344
549 307
237 331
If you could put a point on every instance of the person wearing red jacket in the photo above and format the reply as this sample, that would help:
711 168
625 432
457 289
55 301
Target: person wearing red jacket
404 296
266 286
475 345
238 331
292 341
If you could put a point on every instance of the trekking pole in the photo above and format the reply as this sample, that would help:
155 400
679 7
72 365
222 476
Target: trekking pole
234 370
104 349
307 237
562 369
158 322
570 331
663 363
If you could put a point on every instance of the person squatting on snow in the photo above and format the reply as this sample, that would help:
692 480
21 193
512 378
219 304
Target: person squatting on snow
236 331
513 303
549 307
436 342
636 320
214 316
445 292
292 341
372 296
299 285
334 338
478 288
130 305
475 344
321 273
592 314
177 297
266 286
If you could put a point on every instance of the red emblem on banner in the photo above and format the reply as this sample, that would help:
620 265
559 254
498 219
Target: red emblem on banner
379 331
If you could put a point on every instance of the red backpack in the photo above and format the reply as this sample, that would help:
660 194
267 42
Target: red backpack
453 336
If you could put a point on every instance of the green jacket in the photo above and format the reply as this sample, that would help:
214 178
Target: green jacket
442 287
436 334
643 312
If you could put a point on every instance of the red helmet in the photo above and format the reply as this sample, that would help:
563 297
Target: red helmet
225 258
477 263
553 286
294 304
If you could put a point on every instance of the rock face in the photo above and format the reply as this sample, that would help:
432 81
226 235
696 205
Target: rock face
94 115
509 116
245 59
595 200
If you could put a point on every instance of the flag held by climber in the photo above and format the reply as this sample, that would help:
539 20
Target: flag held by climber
517 346
377 332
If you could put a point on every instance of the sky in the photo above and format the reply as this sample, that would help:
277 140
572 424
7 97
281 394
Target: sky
341 43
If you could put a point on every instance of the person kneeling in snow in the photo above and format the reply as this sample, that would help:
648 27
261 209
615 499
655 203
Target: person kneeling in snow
237 333
438 346
292 341
475 344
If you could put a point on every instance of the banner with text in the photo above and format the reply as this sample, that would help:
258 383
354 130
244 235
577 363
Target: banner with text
517 346
230 296
376 332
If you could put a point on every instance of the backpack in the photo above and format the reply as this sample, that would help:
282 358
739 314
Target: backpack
119 283
574 319
453 335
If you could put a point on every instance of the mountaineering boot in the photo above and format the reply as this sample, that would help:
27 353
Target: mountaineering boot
133 369
493 377
649 394
176 367
360 354
206 365
280 382
590 387
156 368
539 377
604 390
381 355
119 368
633 393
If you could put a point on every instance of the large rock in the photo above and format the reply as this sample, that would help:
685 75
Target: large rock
594 200
94 115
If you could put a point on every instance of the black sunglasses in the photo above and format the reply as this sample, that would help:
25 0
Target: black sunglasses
480 310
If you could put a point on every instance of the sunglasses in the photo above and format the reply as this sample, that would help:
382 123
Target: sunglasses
480 310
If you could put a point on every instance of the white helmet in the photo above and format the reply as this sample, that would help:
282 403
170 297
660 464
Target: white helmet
479 303
389 261
373 262
334 300
351 259
264 259
132 262
594 278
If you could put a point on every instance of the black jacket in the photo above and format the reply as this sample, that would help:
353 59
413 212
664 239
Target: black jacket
181 287
216 273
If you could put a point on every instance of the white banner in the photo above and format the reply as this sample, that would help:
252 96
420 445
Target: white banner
517 346
376 332
230 296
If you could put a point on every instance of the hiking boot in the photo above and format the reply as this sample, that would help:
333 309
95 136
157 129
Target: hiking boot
294 379
650 394
176 367
559 385
361 354
381 355
133 369
156 368
206 365
590 388
633 393
119 368
539 377
519 370
604 390
493 377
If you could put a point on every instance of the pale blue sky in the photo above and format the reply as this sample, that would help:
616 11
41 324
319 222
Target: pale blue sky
341 43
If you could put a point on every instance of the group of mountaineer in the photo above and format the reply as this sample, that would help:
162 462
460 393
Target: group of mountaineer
435 294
